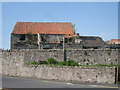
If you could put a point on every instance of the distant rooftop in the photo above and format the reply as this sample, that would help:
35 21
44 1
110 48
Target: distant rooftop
114 41
92 41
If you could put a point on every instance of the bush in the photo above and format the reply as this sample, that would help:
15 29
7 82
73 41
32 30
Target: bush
52 61
62 63
71 63
34 63
43 62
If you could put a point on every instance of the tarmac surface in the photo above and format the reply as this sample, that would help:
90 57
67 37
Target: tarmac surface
19 82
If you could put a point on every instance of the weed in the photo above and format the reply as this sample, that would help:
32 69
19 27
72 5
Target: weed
86 53
52 61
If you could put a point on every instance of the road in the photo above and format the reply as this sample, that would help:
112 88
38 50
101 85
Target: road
17 82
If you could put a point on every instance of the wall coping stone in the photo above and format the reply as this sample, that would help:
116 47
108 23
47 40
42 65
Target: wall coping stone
48 50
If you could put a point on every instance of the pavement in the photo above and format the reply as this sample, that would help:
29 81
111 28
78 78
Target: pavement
18 82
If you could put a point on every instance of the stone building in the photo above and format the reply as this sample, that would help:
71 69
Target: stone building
38 35
51 35
85 42
92 42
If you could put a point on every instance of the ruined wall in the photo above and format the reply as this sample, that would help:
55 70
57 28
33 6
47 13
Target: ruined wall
24 41
30 41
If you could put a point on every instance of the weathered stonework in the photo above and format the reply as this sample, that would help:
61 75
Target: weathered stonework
14 64
82 74
83 56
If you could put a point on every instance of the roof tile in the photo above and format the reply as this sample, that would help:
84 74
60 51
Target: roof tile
43 28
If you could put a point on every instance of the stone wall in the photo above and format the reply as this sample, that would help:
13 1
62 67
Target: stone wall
13 64
82 74
94 56
84 57
24 41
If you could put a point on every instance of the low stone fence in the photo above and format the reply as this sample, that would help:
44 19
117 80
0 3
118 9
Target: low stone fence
66 73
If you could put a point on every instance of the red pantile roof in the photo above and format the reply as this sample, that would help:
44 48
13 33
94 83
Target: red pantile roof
43 28
114 40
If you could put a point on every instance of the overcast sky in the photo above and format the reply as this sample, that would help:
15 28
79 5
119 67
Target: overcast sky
90 18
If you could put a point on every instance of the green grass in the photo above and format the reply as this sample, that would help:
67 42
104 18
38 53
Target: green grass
53 62
32 63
